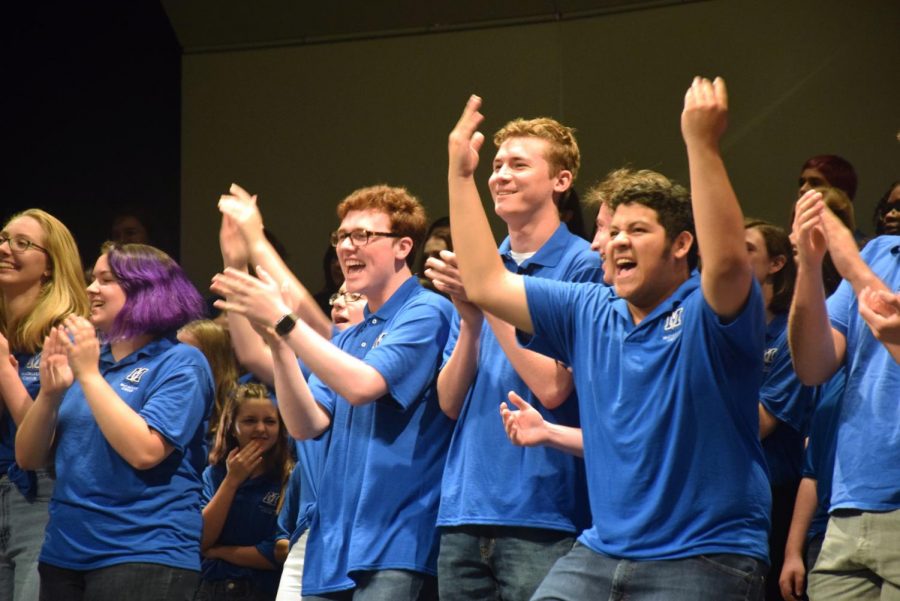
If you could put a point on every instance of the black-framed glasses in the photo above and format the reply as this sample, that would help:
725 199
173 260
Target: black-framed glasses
349 297
19 244
358 237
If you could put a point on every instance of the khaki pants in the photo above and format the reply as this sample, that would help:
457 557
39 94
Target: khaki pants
860 558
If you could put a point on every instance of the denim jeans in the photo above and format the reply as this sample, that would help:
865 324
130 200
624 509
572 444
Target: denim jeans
497 562
584 574
385 585
860 558
131 581
231 590
22 525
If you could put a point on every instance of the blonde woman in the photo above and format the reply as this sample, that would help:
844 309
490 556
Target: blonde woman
41 283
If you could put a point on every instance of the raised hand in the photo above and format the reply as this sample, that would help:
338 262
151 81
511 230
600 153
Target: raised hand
56 375
465 140
525 427
241 207
808 230
444 272
881 311
258 299
232 244
705 114
240 463
83 348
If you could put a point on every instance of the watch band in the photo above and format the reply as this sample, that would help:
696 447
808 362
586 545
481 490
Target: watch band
284 325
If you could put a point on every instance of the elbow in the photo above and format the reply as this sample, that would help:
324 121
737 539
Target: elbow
450 410
145 460
552 397
28 462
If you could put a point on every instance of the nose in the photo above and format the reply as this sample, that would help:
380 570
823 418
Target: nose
93 287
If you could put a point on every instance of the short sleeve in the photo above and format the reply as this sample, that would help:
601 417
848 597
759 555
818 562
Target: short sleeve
179 400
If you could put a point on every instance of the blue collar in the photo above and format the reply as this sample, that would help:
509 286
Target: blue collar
157 346
397 300
548 255
668 304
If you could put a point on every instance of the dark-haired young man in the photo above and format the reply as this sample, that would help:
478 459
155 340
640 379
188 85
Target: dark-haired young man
667 370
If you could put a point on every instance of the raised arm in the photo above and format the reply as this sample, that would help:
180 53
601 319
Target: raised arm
458 373
242 208
303 417
726 276
488 284
817 349
34 438
260 301
845 255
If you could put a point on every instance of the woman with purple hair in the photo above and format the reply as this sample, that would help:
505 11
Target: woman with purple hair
124 425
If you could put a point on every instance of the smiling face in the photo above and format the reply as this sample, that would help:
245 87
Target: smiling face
345 313
257 419
23 270
368 269
645 266
521 183
105 295
891 220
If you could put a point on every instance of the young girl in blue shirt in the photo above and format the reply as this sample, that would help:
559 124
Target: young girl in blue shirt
243 489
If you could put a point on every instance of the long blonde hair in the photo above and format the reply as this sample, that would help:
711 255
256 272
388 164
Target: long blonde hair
62 293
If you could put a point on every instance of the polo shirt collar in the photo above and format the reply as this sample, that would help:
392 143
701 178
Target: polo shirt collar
156 346
393 304
548 255
665 307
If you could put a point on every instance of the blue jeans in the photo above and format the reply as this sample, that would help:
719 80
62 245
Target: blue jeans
131 581
584 574
22 525
385 585
497 562
231 590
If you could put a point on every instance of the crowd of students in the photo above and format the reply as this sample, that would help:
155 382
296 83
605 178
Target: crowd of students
673 410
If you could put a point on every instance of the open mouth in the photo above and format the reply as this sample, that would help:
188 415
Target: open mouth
354 266
625 267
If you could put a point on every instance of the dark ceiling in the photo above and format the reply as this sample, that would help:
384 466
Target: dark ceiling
217 25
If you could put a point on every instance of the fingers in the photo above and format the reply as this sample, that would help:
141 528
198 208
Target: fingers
520 403
470 120
720 91
240 193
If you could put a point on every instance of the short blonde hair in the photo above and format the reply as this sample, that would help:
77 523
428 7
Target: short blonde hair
563 150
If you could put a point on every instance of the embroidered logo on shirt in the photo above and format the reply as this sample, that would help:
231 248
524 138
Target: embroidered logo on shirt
271 498
769 355
379 339
673 321
136 374
34 362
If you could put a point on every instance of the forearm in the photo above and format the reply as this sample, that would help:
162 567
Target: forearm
124 429
348 376
13 395
565 438
457 375
548 379
247 557
812 343
804 510
34 437
487 282
216 512
726 276
250 349
303 416
306 307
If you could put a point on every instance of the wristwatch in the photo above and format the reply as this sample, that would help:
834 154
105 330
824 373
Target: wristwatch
284 325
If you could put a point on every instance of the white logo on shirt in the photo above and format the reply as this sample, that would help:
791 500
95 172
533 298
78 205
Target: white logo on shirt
674 320
769 355
271 498
379 339
136 374
34 362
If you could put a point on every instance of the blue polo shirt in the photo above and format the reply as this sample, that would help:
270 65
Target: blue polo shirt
867 457
251 522
380 487
669 415
818 459
792 403
25 481
482 465
103 511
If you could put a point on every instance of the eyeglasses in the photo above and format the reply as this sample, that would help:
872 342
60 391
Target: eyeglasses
19 244
349 297
358 237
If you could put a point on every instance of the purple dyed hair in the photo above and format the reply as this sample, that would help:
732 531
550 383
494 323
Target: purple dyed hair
837 171
159 298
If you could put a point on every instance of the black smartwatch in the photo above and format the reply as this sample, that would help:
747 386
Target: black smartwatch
284 325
